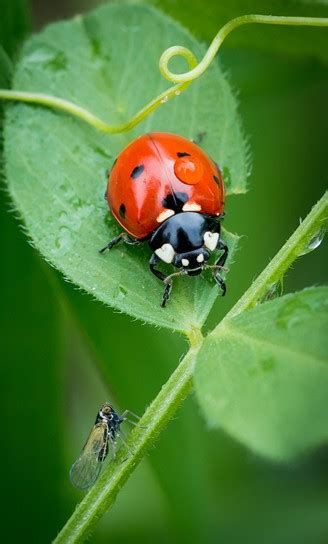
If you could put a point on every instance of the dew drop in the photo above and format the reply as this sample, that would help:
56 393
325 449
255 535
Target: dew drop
63 240
275 290
165 99
315 241
295 311
49 58
177 92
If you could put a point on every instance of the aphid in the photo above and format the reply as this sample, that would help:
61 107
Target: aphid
163 188
85 471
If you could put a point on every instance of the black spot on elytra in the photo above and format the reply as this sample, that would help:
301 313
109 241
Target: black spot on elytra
122 210
175 201
183 154
137 170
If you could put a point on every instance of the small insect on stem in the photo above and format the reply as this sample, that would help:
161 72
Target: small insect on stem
86 469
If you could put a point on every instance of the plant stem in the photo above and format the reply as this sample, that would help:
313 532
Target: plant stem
103 494
313 224
181 81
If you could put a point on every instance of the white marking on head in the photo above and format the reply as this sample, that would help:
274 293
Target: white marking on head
164 215
211 239
191 207
184 262
165 253
200 258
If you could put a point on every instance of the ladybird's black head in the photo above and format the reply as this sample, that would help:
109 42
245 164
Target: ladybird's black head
186 240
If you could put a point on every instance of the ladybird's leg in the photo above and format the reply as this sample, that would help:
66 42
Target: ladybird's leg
113 242
219 265
167 280
123 237
222 246
220 282
168 285
127 239
154 260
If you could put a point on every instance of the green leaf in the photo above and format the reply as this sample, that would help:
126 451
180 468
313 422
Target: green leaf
263 375
56 166
205 18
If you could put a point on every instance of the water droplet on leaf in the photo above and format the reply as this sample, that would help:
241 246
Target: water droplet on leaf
49 58
315 241
293 312
275 290
64 239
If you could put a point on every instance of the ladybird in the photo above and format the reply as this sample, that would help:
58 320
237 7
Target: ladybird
164 189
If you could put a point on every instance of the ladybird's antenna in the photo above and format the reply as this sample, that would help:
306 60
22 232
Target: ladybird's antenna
181 81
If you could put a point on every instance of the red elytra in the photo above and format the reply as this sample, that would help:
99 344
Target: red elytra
152 173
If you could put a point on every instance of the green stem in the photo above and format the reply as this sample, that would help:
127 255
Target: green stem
181 81
103 494
314 224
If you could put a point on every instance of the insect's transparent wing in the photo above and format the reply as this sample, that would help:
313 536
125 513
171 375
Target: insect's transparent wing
86 468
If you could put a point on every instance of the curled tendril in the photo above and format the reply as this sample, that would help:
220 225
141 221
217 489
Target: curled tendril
181 81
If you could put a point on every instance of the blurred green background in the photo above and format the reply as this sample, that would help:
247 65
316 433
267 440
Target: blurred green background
63 354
